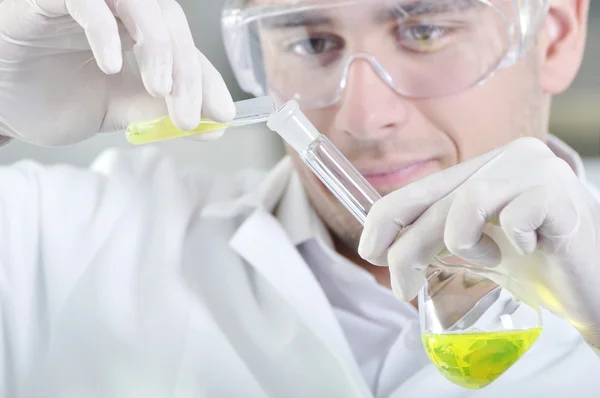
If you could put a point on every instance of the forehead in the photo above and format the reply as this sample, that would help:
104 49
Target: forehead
372 9
408 4
299 13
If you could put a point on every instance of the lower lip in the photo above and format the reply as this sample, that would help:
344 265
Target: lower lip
400 177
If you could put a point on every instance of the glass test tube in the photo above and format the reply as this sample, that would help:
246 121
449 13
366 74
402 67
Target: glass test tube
255 110
325 160
334 170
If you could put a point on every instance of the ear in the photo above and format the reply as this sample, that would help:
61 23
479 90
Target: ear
562 43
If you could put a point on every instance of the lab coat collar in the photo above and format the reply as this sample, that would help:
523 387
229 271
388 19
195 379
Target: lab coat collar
302 224
269 192
265 196
283 195
297 216
263 243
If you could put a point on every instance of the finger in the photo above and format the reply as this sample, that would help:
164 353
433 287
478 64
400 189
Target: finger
144 21
542 214
101 30
410 255
476 203
132 105
401 208
217 103
185 100
407 286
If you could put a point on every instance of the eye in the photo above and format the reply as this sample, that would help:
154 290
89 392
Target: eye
316 45
423 37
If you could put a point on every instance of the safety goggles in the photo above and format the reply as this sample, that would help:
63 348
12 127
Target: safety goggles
305 49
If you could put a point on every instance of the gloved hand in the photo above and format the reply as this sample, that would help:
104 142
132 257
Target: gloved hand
72 68
550 221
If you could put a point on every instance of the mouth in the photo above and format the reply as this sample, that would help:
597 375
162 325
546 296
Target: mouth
397 176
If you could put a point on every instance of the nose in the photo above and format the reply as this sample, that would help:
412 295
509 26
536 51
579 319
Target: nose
369 110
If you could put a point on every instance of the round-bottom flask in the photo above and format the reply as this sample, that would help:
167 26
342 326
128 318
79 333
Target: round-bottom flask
473 327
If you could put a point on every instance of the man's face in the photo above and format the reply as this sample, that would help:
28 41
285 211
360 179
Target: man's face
393 140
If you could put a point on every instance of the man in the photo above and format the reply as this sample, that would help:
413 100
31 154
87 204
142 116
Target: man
130 279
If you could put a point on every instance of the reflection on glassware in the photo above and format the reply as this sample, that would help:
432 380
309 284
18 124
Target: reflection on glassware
325 160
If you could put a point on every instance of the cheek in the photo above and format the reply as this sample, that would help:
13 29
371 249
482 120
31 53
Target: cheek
491 115
322 119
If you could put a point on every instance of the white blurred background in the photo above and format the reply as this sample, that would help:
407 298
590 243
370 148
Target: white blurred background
575 119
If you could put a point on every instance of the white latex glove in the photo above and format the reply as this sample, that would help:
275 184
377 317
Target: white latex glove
548 239
71 68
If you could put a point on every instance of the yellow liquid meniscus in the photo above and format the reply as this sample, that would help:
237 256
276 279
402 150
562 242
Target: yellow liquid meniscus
163 129
474 360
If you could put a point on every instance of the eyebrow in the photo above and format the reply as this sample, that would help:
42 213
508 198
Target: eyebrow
426 7
297 19
399 10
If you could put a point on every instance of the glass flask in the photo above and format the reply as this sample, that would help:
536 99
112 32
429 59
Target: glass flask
475 321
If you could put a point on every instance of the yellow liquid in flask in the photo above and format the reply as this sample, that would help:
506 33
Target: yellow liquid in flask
164 129
474 360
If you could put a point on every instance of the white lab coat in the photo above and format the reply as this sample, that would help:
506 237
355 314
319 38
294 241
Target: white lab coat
131 280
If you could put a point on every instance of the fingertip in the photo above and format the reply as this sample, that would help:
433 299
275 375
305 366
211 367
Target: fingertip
102 32
397 288
182 113
368 237
185 122
377 236
110 64
219 106
184 118
366 248
218 102
406 287
106 48
380 261
228 110
363 248
406 271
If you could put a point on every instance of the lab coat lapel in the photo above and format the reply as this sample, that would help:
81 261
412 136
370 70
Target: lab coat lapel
263 243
